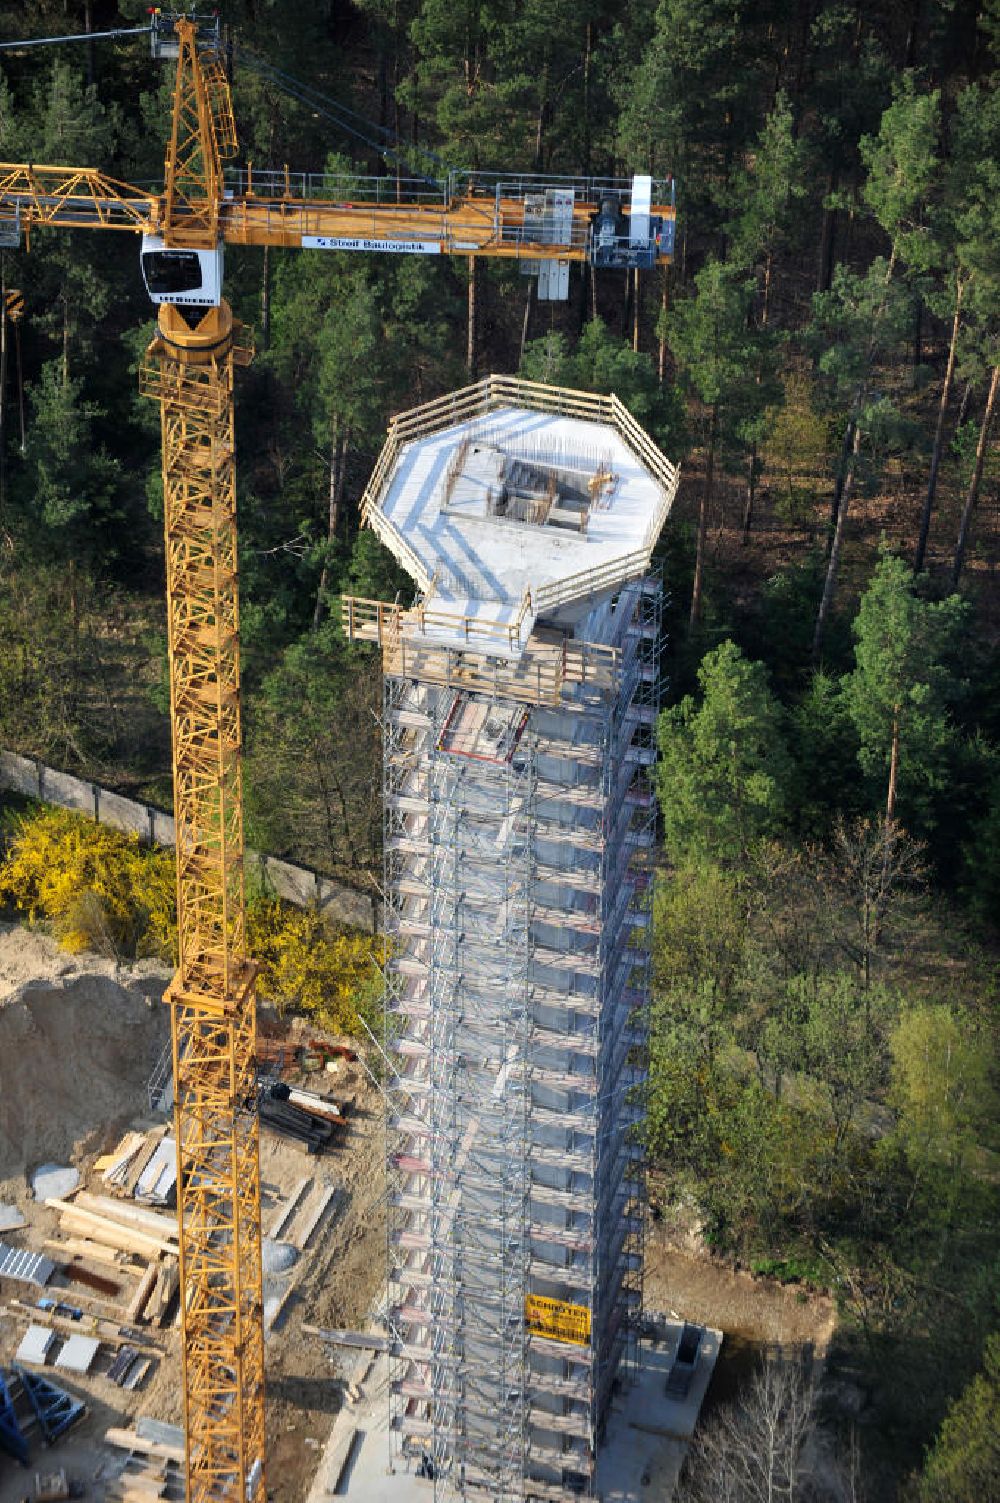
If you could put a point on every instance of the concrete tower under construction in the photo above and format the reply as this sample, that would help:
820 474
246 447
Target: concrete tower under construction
519 742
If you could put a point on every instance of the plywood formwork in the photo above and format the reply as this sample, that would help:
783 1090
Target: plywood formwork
519 824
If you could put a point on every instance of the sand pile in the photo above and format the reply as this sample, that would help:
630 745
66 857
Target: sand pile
78 1039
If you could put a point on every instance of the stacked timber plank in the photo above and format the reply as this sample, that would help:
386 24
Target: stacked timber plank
113 1223
315 1214
98 1226
296 1224
153 1466
284 1216
143 1167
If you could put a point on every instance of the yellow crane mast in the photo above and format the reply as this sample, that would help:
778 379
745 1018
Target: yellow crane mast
189 368
212 995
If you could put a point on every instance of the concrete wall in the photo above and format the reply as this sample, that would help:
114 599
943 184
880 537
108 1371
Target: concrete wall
297 884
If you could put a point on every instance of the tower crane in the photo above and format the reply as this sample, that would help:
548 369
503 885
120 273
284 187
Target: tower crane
543 224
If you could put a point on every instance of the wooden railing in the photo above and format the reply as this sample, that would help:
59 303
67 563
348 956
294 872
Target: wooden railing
380 474
499 391
591 581
541 674
394 540
378 621
642 446
369 620
544 674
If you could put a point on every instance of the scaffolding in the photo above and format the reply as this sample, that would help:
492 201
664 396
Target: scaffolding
519 828
517 920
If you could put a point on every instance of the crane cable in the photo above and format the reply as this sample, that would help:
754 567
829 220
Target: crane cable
77 36
304 94
389 147
333 110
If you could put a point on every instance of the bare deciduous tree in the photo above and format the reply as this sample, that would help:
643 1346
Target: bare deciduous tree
766 1446
872 878
754 1450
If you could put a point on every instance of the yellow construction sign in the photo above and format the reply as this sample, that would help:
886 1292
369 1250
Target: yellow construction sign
13 302
555 1318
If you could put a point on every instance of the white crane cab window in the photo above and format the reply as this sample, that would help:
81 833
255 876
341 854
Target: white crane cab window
175 275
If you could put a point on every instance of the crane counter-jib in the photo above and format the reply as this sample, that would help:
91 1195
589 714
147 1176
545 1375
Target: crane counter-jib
72 197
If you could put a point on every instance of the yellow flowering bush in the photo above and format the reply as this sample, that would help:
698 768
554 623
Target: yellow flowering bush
99 887
330 975
101 890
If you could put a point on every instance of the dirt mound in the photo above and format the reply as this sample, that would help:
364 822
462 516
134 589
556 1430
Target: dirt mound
76 1047
30 955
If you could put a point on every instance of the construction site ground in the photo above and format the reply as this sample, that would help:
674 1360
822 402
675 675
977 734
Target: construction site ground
755 1314
640 1458
638 1461
79 1037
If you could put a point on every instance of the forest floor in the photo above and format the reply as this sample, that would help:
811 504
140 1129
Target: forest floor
740 566
79 1036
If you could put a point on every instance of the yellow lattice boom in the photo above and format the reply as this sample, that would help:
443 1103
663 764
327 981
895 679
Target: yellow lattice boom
212 995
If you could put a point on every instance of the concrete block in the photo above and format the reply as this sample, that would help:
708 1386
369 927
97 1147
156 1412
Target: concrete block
19 774
69 792
36 1345
306 889
158 1431
53 1182
294 883
278 1257
123 814
164 831
345 906
78 1353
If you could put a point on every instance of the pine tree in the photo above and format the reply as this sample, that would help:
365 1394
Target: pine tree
862 315
71 488
903 686
725 362
977 235
603 362
724 770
